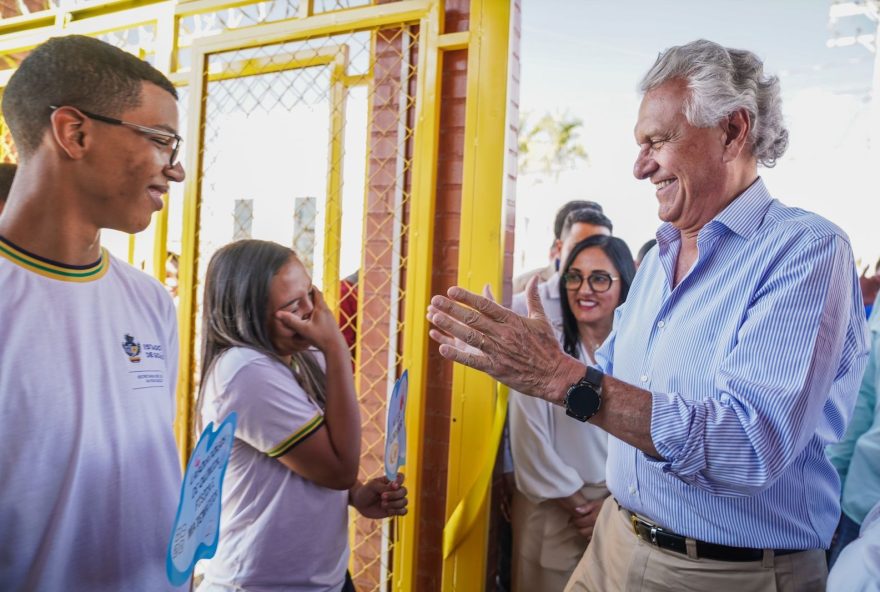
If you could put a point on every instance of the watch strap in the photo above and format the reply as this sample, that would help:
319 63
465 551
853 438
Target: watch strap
594 378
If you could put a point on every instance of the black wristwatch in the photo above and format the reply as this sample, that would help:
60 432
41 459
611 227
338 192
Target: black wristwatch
583 399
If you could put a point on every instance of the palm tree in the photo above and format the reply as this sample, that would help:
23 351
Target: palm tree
551 145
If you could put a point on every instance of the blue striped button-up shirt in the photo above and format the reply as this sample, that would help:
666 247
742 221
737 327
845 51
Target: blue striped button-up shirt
753 362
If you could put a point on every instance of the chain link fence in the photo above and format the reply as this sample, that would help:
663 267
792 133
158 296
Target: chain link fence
317 135
7 147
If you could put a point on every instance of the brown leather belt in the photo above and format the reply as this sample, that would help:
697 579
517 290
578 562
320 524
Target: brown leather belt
664 539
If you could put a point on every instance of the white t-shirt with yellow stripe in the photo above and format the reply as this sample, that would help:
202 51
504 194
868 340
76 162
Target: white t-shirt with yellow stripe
278 531
89 474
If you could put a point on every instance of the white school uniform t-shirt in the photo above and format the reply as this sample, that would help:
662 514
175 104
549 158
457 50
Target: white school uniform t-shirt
278 531
89 473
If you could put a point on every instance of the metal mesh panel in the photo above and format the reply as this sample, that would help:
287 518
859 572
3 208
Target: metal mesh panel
211 23
11 59
243 219
7 147
140 41
386 219
241 16
305 216
12 8
318 133
330 5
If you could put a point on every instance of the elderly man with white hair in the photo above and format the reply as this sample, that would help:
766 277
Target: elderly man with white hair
733 363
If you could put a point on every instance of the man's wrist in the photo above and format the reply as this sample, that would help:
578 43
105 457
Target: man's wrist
570 371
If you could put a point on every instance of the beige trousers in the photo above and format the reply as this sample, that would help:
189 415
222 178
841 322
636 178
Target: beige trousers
546 546
617 561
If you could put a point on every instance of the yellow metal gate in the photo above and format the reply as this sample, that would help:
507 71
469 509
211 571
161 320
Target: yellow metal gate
306 137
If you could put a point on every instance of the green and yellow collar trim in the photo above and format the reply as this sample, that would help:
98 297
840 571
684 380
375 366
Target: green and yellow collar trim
53 269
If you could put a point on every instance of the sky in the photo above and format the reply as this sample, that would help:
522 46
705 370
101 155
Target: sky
584 58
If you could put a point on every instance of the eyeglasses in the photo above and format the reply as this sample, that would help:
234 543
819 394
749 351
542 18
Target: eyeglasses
163 138
599 281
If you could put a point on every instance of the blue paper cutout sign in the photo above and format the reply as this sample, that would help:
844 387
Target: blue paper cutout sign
395 434
196 529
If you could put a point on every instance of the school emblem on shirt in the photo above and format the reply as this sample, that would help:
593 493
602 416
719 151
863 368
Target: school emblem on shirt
131 348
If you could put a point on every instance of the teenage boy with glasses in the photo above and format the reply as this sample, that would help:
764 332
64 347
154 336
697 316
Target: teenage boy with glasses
90 477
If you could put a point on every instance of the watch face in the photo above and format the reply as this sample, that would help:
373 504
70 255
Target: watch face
582 401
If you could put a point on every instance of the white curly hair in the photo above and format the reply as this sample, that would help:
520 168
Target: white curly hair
722 80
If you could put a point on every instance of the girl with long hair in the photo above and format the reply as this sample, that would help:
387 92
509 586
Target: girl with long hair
559 463
272 352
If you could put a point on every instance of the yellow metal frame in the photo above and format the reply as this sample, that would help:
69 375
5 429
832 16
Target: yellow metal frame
333 211
418 283
480 262
428 14
188 264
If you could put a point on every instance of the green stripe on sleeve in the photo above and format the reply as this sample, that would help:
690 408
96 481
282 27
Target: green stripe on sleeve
297 437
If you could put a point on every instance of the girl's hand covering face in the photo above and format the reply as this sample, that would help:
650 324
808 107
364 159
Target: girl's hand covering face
317 328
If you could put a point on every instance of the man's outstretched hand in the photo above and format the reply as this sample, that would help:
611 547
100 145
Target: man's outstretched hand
521 352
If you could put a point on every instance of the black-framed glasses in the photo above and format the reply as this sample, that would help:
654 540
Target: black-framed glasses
163 137
599 281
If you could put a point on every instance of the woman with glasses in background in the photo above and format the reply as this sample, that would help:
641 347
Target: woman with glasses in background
559 463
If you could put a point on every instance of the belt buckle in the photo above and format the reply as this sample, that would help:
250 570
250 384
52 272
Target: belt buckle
654 529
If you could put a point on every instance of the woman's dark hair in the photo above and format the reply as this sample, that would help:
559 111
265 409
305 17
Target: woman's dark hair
621 258
235 311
